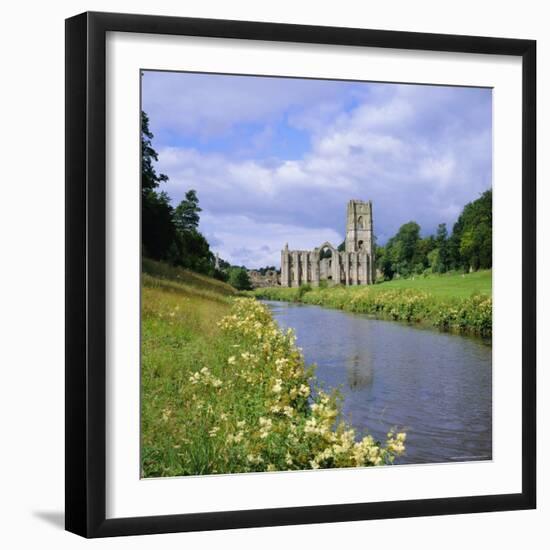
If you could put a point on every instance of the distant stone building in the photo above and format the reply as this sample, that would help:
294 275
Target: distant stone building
353 266
259 280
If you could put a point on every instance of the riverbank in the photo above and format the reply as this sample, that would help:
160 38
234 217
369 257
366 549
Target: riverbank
451 302
224 390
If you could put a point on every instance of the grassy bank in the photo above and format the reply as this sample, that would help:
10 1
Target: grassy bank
454 302
225 390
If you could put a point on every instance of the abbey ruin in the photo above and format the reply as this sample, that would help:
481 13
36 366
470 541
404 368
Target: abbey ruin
353 266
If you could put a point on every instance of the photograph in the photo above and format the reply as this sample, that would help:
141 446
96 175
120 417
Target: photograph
275 276
316 287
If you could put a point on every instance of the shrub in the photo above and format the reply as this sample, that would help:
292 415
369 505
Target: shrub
296 430
302 290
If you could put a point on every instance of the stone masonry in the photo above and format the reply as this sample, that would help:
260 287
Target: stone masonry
257 280
353 266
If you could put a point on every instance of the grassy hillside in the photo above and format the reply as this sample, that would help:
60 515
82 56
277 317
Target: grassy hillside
447 285
224 390
453 302
185 278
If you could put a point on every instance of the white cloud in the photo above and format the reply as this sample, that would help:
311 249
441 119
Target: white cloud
419 154
241 240
438 169
206 105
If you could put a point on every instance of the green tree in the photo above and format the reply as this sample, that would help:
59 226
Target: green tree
470 245
186 214
441 241
238 277
407 237
158 233
193 251
420 261
433 260
401 251
441 261
383 262
157 230
169 234
150 180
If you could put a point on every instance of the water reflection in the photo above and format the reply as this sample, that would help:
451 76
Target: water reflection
360 371
436 386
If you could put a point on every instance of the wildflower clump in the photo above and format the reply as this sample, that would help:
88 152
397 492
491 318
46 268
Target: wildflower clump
297 429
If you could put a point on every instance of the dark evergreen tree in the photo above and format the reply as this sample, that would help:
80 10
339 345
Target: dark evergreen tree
158 233
157 229
186 214
150 180
169 234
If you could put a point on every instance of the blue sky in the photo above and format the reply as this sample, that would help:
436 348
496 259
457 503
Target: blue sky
275 160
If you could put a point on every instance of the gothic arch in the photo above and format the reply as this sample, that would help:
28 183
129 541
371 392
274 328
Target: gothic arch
326 244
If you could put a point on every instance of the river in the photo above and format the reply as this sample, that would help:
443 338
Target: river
435 386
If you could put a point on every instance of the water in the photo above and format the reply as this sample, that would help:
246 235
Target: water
435 386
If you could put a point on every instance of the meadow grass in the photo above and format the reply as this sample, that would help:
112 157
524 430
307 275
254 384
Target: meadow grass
454 302
184 277
446 285
224 390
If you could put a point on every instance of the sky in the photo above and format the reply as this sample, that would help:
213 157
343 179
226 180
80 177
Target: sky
275 160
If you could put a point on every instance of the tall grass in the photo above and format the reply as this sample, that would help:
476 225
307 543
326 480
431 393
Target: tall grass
185 277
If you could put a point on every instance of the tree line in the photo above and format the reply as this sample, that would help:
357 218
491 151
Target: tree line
467 248
171 234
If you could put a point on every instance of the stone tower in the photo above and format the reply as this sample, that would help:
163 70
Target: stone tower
353 266
359 227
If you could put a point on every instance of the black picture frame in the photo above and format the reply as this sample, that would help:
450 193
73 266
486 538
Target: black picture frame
86 274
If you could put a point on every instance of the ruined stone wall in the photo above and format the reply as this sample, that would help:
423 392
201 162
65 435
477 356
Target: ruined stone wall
348 268
354 266
257 280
